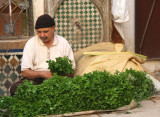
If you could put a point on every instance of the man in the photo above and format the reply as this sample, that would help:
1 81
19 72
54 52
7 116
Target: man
45 46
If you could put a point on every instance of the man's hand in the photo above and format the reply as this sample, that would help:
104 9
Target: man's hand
46 74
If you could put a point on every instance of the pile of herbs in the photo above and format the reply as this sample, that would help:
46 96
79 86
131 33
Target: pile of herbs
62 66
92 91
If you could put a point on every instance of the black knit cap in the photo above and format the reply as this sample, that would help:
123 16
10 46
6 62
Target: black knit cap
44 21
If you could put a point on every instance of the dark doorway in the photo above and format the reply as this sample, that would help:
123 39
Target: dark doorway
147 28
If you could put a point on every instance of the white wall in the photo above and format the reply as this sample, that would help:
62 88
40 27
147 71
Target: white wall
38 8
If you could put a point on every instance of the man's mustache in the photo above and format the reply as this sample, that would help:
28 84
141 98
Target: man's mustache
43 37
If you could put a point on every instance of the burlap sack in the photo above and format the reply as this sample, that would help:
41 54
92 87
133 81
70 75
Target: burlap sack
103 46
109 61
106 56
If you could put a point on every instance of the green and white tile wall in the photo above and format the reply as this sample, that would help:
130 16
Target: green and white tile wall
79 21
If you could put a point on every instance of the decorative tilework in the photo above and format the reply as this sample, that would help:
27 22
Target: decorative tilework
11 50
10 69
79 21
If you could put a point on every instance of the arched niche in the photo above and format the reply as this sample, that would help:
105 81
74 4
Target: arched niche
81 22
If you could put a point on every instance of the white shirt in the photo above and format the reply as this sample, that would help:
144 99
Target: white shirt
36 54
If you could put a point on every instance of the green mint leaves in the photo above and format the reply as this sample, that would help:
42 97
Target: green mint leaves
92 91
62 66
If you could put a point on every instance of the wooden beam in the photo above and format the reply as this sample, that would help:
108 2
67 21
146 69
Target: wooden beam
4 7
14 8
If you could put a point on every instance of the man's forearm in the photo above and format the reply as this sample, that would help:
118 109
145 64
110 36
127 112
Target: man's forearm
30 74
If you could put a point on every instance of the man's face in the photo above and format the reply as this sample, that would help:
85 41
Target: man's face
46 34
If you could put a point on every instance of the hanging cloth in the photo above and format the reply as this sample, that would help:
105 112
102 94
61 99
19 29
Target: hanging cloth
120 11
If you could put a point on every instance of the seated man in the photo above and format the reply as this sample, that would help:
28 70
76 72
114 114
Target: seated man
45 46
